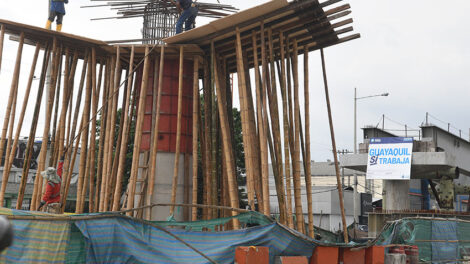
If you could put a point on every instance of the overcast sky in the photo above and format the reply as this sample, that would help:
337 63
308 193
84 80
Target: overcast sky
417 51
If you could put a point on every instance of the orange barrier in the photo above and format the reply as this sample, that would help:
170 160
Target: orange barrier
252 255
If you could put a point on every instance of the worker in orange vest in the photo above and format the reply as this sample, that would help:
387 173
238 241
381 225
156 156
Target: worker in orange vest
57 10
51 198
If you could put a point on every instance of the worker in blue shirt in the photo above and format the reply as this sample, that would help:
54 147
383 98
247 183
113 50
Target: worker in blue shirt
188 11
57 10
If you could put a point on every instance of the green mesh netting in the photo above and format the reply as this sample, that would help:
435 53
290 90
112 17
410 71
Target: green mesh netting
438 240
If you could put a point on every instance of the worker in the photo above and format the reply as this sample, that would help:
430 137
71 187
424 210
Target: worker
57 10
188 11
51 198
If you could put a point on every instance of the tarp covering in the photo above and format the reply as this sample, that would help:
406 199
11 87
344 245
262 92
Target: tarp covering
438 240
121 240
112 238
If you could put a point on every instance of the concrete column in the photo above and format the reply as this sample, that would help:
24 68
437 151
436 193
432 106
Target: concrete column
163 186
396 195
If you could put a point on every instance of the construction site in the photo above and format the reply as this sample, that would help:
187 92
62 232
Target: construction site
196 147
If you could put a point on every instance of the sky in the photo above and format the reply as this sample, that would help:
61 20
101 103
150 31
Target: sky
417 51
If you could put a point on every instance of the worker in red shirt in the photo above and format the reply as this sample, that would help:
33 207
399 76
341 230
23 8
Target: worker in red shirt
51 198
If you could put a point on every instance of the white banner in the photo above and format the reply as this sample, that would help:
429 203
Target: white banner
389 158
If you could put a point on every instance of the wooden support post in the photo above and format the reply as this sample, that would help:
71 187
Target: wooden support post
333 143
282 81
10 114
195 134
207 138
123 146
70 171
45 137
297 186
226 141
138 134
308 174
2 37
7 168
247 133
178 132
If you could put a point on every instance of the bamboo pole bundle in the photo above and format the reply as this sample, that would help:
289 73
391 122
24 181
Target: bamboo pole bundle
282 81
96 93
195 134
138 133
123 146
227 143
7 168
178 131
53 85
82 171
114 87
50 101
153 153
308 174
10 114
100 181
247 136
2 37
11 96
109 99
117 151
333 143
69 160
274 110
32 134
297 162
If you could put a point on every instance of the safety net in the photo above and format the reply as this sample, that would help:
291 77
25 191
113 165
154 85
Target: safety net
439 240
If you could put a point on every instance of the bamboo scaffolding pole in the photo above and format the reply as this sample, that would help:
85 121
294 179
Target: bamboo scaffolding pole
108 139
11 96
7 168
68 165
111 139
2 38
154 152
117 151
274 109
123 146
195 134
32 134
308 174
84 148
96 93
101 180
287 167
227 143
54 137
178 131
260 97
70 83
138 133
333 143
10 115
212 199
45 138
207 137
297 162
70 171
247 136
